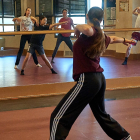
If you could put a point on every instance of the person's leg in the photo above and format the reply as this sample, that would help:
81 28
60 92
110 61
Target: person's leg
69 43
136 36
127 54
47 62
72 105
111 127
27 58
34 54
22 44
41 52
59 40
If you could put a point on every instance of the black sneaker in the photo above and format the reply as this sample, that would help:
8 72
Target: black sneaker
53 72
22 72
124 63
52 61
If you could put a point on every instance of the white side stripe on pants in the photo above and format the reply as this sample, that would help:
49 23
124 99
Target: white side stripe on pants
66 105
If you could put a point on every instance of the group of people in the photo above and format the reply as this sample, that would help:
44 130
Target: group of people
35 41
90 87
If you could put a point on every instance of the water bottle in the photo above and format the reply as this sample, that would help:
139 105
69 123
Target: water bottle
2 48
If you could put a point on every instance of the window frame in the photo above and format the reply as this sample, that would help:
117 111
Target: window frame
2 16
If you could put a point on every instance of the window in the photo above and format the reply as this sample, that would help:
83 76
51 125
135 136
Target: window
95 3
75 7
7 13
44 7
77 10
98 3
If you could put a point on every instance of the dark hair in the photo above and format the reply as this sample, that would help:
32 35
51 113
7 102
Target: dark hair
95 15
41 17
26 10
65 10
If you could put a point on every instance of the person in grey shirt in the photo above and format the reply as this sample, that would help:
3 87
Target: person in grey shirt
26 23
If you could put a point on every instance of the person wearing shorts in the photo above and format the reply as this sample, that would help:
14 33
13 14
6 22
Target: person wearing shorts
36 43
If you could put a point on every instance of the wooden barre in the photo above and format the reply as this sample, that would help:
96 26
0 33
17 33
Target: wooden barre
64 31
36 32
108 25
33 25
121 30
9 24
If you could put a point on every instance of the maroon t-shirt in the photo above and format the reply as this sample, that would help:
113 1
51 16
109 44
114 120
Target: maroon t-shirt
82 63
66 26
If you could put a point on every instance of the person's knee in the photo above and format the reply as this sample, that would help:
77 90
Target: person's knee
129 48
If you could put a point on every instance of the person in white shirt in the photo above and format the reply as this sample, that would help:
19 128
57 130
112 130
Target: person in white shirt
26 24
135 35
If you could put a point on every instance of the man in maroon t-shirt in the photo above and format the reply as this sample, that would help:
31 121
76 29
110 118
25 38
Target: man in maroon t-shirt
65 36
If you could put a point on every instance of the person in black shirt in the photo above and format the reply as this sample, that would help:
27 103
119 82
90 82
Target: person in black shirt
36 43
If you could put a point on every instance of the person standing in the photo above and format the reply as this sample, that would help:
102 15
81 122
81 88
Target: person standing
36 43
91 84
135 35
64 36
26 24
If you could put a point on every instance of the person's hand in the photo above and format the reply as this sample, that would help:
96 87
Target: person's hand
65 22
61 28
76 33
127 42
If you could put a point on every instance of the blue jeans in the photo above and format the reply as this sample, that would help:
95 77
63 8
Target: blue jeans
61 38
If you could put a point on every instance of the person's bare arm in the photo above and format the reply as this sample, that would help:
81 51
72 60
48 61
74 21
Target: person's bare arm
34 20
85 29
16 19
56 24
115 39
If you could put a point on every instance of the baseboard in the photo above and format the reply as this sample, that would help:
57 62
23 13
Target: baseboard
115 54
8 51
13 51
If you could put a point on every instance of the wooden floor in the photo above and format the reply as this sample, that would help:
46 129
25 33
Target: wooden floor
33 124
63 66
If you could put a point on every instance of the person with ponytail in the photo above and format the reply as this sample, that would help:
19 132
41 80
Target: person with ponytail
91 84
26 24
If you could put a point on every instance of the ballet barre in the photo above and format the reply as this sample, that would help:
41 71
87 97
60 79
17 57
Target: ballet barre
64 31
